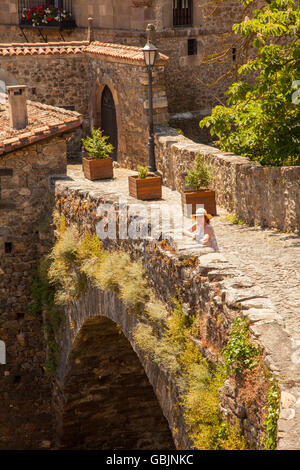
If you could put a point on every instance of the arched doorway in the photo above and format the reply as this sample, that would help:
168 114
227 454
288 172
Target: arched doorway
109 119
106 401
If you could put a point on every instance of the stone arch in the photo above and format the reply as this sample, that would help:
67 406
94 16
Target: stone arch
96 106
108 401
132 390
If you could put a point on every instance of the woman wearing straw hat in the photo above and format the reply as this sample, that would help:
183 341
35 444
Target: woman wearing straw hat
202 231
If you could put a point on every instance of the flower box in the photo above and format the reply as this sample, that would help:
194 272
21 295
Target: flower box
205 197
97 169
46 16
145 188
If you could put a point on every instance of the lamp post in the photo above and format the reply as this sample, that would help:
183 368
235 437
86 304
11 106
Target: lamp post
150 54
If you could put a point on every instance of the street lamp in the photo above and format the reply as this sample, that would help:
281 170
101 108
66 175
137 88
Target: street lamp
150 54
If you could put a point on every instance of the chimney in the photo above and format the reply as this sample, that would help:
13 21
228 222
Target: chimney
17 106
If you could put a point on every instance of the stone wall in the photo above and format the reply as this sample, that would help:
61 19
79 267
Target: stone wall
26 419
265 196
59 80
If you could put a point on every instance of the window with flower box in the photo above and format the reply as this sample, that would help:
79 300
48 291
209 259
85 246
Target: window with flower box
51 14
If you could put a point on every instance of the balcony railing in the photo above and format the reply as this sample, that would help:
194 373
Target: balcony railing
182 12
56 14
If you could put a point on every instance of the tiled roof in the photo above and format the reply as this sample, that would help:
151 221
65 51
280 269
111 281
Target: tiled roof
36 48
43 121
117 51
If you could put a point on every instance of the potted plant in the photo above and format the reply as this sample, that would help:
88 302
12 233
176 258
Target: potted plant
196 189
96 162
144 185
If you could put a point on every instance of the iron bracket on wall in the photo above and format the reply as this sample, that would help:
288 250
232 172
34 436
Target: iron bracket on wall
22 31
40 33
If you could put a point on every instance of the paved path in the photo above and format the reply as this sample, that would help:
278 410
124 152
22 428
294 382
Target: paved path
271 259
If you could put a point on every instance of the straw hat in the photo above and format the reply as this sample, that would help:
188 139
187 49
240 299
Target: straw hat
201 212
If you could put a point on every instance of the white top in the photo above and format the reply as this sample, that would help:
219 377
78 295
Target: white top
207 230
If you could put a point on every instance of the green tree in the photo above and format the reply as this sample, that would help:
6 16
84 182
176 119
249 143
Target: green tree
262 118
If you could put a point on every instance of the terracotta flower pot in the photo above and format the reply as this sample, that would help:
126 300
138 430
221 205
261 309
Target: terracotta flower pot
191 198
95 169
145 188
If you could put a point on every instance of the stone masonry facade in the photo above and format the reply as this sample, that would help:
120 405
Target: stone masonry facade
27 158
23 383
74 75
124 22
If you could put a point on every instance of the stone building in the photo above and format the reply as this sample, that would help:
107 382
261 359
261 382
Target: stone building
32 147
188 32
106 83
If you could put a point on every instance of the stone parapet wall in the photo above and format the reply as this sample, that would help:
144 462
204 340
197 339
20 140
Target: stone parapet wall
265 196
210 287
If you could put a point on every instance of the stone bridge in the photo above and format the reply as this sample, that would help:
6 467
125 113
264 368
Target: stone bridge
91 365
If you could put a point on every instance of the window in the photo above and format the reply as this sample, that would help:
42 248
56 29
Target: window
233 54
192 46
8 246
182 12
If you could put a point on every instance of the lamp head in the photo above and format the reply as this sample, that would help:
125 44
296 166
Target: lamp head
150 53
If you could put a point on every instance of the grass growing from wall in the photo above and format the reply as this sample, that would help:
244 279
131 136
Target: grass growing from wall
43 294
66 273
242 358
272 416
198 381
239 353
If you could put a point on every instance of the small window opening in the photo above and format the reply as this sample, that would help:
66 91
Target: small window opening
233 54
192 46
8 246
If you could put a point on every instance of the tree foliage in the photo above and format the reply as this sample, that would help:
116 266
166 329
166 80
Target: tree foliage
262 118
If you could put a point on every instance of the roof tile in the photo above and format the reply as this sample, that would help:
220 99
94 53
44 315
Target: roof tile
118 51
43 121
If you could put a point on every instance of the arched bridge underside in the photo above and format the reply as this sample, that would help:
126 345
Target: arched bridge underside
108 396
